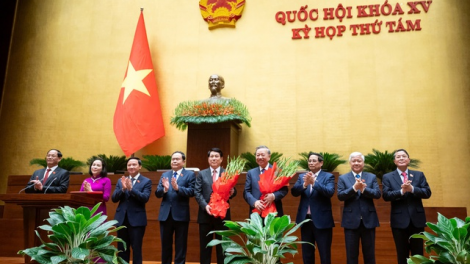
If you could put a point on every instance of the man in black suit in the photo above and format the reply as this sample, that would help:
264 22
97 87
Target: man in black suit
405 189
202 192
132 193
175 188
315 189
358 189
51 179
252 193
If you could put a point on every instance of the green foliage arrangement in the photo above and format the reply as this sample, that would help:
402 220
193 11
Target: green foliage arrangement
156 162
258 243
77 237
251 159
210 111
65 163
113 163
380 163
449 244
330 161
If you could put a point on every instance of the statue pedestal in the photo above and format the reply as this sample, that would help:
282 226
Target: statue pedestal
203 137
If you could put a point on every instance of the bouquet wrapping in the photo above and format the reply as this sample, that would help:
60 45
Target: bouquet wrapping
222 186
274 179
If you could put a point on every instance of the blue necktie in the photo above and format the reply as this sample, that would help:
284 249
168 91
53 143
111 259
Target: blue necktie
175 174
262 171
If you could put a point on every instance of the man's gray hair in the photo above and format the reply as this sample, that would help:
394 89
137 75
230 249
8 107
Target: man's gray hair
354 154
263 147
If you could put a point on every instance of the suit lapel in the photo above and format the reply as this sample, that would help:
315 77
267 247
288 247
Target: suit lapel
352 179
180 176
397 177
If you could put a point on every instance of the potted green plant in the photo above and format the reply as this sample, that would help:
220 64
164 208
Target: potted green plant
77 236
258 242
65 163
114 164
251 159
449 244
380 163
156 162
330 161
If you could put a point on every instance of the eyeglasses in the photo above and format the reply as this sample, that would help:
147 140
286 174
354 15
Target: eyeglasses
51 156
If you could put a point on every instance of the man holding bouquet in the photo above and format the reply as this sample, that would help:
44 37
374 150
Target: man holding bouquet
206 219
252 193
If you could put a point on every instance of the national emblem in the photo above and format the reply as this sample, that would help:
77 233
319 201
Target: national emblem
221 12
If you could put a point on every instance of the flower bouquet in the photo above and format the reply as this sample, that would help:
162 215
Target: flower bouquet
274 179
210 111
222 186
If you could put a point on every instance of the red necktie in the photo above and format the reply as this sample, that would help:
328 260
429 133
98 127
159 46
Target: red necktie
405 177
47 175
214 175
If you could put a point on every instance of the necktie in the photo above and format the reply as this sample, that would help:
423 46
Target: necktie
214 175
262 171
358 176
47 176
175 174
405 177
133 181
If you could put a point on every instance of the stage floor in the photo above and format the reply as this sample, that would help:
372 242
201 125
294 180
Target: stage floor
21 261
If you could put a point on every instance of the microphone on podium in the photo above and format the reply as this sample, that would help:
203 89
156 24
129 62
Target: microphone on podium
50 185
29 185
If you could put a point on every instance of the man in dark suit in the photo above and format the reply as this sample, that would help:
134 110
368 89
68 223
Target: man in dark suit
132 193
358 189
175 187
252 192
405 189
51 179
315 189
207 222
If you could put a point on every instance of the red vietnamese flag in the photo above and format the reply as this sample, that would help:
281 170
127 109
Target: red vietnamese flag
138 117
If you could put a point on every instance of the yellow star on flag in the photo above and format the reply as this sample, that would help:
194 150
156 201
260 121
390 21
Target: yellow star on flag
134 81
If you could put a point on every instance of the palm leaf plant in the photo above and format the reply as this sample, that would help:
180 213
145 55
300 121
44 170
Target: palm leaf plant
65 163
258 242
380 163
251 159
330 161
113 163
156 162
77 236
450 242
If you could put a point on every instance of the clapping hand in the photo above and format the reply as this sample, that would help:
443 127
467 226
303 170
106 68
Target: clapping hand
87 186
406 187
309 178
124 183
166 184
37 183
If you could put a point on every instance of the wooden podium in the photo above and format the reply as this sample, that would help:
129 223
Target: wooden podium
202 137
36 208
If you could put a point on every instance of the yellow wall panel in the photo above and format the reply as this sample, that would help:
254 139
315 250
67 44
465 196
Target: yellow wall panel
352 93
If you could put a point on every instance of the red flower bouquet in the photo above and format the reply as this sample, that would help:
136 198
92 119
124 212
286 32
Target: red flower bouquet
274 179
222 186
